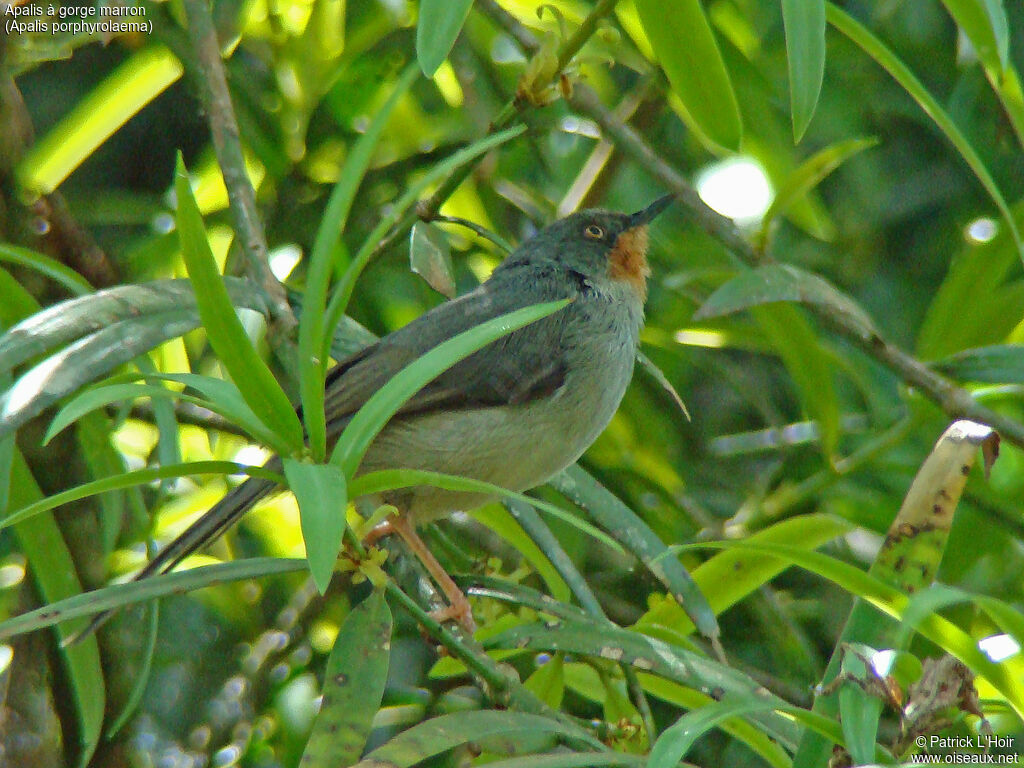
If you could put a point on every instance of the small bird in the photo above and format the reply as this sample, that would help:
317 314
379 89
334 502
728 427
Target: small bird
514 413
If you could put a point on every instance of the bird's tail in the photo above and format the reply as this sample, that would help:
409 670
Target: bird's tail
206 529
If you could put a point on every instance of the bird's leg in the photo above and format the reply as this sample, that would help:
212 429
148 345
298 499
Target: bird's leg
458 605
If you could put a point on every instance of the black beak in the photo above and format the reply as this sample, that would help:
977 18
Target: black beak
647 214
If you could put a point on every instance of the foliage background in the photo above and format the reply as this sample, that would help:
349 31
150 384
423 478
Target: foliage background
801 429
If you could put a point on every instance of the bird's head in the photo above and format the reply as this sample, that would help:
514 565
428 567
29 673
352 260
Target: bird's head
599 244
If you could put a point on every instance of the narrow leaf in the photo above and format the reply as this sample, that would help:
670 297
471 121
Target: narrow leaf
75 318
53 570
440 734
354 679
312 331
805 48
808 175
984 22
685 46
321 492
675 741
627 527
224 330
892 64
131 592
439 24
343 290
998 364
85 360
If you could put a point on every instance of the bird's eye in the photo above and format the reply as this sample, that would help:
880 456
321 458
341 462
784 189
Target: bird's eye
594 232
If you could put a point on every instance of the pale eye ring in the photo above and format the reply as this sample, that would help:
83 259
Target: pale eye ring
594 232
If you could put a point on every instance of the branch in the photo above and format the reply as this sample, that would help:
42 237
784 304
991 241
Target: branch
213 85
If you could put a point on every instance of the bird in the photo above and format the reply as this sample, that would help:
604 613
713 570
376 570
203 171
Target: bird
514 413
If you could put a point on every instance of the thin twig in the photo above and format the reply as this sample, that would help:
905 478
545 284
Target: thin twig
954 401
213 85
483 232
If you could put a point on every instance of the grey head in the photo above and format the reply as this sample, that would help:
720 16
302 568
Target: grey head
598 244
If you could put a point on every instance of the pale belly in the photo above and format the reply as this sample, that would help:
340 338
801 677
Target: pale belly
516 447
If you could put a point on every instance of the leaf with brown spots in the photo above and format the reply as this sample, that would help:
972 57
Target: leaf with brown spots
353 686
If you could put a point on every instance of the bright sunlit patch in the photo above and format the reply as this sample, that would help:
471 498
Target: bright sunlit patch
6 656
252 455
980 231
882 662
11 575
448 84
283 260
699 338
737 188
999 647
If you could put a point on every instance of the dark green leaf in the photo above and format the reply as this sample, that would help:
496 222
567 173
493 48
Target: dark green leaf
353 686
85 361
998 364
634 534
440 734
439 24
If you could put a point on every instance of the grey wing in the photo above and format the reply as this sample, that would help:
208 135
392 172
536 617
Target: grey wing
524 365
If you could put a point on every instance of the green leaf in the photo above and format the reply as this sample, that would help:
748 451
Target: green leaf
984 22
606 641
369 420
312 331
502 523
805 48
439 24
782 282
76 318
685 47
222 397
392 479
547 682
998 364
84 361
892 64
859 711
637 537
675 741
440 734
354 679
46 265
55 575
892 603
809 175
224 330
797 344
131 592
109 106
729 576
131 479
430 258
321 492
